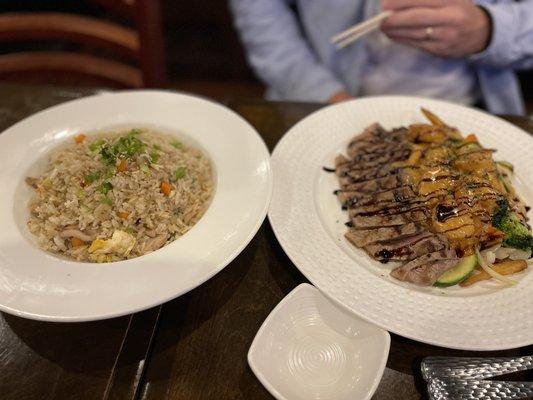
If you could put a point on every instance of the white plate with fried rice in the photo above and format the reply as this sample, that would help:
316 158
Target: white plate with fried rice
121 201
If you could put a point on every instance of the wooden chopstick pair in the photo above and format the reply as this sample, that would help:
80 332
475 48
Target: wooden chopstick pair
356 32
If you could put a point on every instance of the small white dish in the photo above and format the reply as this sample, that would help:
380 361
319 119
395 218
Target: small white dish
308 348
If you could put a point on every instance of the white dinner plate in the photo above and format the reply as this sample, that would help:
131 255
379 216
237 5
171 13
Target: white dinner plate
38 285
309 223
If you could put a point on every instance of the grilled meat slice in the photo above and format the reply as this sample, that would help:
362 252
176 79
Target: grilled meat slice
343 165
406 248
369 134
373 173
375 185
388 209
391 150
374 147
374 139
363 237
379 220
426 269
398 195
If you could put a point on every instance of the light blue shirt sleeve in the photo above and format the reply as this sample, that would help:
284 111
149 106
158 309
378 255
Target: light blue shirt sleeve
279 53
511 45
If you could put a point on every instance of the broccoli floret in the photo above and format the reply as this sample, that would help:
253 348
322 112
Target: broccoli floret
515 234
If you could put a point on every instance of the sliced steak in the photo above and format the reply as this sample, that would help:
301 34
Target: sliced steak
385 153
367 173
377 134
372 173
350 198
377 221
363 237
357 164
370 133
373 147
340 162
387 209
375 185
406 248
426 269
394 207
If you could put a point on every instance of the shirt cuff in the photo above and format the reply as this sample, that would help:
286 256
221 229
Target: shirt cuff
499 52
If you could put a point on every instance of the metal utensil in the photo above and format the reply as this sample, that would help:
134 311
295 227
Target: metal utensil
473 389
473 367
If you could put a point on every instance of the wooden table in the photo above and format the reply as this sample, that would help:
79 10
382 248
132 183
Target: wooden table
193 347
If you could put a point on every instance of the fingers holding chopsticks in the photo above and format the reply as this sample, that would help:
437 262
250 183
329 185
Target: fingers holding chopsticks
421 17
436 33
446 28
400 4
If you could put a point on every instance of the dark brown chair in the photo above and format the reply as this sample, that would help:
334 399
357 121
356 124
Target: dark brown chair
138 54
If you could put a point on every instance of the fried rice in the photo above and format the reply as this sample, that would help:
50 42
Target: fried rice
118 195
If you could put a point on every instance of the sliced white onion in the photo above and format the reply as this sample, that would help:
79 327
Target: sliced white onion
483 264
502 253
490 257
490 254
507 252
517 254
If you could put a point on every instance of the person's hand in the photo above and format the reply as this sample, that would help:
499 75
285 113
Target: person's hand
446 28
340 96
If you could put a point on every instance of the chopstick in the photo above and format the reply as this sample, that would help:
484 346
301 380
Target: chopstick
350 35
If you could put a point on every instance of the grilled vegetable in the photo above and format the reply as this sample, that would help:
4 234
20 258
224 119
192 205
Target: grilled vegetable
506 164
458 273
516 235
503 268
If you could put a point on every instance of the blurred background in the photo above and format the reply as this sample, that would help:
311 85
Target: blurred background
190 46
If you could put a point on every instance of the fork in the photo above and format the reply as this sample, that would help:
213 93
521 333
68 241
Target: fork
473 389
473 367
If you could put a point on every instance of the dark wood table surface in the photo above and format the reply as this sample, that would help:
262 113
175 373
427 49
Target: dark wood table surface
195 346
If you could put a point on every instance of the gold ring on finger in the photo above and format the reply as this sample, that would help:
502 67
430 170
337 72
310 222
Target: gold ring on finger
429 33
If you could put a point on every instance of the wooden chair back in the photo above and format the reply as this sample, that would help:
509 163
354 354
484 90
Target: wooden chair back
138 53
